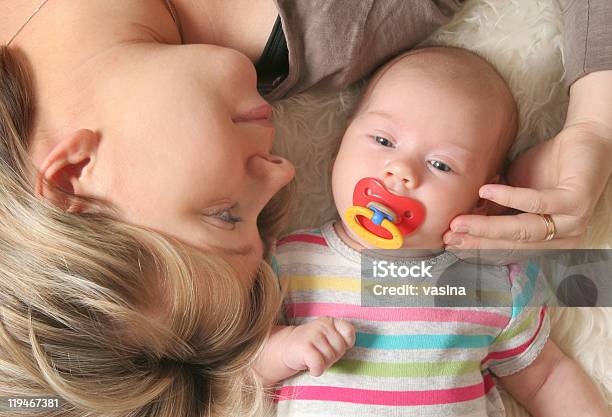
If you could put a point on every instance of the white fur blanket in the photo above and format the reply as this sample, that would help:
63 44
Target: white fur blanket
522 38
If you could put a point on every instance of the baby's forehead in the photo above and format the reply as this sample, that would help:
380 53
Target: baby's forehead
455 70
442 86
408 93
452 78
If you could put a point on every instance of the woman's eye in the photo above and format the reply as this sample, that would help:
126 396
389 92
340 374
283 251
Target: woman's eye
226 216
440 166
383 141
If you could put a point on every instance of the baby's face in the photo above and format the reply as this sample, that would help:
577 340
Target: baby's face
423 139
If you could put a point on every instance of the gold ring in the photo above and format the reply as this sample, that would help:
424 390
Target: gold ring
551 230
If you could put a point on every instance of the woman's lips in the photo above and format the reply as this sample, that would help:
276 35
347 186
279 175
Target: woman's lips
260 115
275 159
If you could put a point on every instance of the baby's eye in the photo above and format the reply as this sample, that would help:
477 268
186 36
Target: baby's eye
383 141
440 165
226 216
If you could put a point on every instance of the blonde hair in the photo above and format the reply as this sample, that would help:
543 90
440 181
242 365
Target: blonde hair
80 298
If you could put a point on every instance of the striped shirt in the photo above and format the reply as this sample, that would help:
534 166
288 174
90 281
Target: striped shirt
408 361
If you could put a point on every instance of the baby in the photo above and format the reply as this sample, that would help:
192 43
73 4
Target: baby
432 127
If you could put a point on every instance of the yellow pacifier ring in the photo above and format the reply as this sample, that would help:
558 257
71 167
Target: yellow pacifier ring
396 240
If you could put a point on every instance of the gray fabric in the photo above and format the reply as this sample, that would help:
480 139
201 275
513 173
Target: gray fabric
333 43
513 334
587 36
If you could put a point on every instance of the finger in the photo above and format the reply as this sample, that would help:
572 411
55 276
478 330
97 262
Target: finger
524 227
472 242
337 342
322 344
346 330
315 362
556 200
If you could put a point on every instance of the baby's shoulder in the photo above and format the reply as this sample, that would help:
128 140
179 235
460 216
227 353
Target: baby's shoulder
300 246
312 236
308 251
528 285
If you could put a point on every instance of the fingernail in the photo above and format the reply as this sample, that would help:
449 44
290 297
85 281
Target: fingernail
454 240
461 229
486 194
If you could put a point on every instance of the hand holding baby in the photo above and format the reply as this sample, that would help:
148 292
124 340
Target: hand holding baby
563 177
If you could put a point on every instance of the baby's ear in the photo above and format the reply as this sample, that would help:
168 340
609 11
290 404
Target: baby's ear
486 207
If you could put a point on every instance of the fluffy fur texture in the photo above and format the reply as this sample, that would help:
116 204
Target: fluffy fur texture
522 38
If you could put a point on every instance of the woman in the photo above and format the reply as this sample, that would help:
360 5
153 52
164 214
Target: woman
126 121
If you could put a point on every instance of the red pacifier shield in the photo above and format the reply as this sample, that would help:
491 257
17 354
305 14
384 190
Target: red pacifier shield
410 213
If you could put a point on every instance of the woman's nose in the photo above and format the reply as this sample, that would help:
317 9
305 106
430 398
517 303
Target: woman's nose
272 169
400 177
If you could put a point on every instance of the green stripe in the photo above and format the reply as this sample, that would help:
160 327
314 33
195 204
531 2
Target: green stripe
524 325
408 369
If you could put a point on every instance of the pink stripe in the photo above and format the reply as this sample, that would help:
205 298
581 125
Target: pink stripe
489 382
519 349
396 314
302 237
377 397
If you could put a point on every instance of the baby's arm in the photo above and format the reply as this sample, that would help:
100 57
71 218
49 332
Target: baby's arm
553 385
314 346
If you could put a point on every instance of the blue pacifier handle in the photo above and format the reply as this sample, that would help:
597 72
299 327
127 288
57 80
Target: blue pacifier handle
379 216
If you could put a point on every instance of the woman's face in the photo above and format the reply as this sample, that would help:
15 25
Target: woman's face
185 148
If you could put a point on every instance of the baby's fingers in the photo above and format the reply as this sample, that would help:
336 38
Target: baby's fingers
323 343
330 345
315 361
346 330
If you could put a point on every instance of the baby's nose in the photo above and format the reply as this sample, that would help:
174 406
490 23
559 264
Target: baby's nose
400 177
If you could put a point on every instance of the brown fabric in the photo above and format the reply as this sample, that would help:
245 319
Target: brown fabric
333 43
587 36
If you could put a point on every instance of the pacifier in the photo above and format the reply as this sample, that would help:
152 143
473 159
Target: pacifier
381 217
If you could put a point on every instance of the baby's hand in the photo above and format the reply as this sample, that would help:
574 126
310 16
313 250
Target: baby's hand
318 344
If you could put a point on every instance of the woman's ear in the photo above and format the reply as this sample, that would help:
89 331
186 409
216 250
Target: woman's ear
61 172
